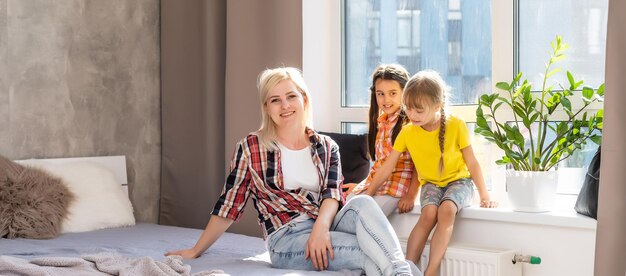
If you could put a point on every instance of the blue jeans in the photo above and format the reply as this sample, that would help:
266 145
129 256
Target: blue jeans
361 236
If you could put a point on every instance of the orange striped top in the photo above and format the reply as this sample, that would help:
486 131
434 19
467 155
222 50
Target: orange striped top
397 185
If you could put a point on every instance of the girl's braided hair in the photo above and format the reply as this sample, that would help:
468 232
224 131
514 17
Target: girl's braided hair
428 88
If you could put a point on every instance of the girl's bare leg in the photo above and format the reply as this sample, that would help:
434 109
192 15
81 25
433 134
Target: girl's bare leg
420 233
446 214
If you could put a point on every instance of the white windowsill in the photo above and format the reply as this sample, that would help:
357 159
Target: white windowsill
563 215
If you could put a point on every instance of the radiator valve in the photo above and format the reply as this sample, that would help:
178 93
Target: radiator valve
526 259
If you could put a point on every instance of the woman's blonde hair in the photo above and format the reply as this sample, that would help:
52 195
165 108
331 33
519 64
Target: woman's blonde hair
268 79
428 88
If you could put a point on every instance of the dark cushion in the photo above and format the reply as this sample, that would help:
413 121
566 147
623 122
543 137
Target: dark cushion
355 163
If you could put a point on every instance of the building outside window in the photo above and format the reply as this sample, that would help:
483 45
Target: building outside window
452 37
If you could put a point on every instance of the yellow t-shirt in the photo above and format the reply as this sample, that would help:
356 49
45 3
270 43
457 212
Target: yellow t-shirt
424 149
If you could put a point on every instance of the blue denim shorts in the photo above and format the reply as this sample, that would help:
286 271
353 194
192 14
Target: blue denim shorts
460 192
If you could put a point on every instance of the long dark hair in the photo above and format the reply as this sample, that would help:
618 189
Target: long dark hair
393 72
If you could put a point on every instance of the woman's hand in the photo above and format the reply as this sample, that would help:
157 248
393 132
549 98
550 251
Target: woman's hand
214 229
348 187
189 253
318 248
406 204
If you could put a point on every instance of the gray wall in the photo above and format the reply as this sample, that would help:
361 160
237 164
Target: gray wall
81 78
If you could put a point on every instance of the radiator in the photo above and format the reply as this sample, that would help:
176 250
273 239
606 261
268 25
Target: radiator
472 261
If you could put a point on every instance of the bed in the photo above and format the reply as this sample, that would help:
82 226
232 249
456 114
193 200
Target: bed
232 254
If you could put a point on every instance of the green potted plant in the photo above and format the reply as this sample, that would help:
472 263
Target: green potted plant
535 141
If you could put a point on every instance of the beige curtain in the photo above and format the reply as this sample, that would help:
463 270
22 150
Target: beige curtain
211 55
611 231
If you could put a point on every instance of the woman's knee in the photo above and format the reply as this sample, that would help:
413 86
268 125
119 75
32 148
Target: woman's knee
361 202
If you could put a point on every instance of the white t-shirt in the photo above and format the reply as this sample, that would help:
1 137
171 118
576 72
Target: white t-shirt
299 170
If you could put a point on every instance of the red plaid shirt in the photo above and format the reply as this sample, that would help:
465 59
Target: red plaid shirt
256 172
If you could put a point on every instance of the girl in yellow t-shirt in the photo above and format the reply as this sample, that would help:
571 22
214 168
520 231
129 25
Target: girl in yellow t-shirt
445 163
386 119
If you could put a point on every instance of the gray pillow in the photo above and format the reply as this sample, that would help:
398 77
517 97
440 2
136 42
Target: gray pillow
32 203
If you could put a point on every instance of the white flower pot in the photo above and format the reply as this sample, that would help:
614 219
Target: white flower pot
531 191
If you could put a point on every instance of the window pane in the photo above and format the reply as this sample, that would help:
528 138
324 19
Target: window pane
452 37
353 128
581 23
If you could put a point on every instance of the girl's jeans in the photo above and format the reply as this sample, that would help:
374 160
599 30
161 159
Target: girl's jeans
361 236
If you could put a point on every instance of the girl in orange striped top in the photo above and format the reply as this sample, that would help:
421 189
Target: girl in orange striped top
386 118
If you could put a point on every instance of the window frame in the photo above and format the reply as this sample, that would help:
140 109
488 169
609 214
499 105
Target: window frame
324 64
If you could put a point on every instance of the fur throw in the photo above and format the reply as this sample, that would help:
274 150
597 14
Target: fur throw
33 203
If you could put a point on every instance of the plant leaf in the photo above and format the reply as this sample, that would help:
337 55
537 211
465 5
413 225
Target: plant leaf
497 106
554 71
519 110
587 92
516 155
600 113
484 100
503 85
596 139
571 80
533 118
601 90
479 111
502 162
562 128
482 122
517 78
566 103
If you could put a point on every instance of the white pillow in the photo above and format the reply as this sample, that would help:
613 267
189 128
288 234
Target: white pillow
100 201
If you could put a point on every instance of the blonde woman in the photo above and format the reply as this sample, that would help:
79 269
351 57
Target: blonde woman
294 176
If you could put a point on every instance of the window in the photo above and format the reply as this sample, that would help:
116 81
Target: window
452 37
473 44
354 128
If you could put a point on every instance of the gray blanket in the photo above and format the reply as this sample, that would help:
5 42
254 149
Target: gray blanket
105 263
